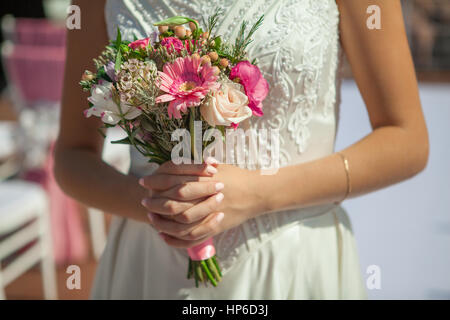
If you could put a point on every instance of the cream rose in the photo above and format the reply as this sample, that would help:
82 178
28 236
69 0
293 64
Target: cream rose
227 105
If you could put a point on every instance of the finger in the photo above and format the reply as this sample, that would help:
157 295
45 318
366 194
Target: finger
171 227
200 210
161 182
206 229
167 206
192 190
188 243
203 169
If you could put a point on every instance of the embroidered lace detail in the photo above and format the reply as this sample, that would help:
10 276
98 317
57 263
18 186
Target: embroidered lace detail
297 49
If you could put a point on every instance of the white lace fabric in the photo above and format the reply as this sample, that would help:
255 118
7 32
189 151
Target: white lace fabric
298 52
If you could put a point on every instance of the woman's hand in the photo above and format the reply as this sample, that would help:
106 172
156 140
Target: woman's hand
200 211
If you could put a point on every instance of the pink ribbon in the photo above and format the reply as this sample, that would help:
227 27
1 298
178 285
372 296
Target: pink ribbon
202 251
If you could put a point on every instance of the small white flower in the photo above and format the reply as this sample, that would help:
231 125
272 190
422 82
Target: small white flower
104 106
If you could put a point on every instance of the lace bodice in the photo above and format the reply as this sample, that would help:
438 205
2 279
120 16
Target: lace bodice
298 51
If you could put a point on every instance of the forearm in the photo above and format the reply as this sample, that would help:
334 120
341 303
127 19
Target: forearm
384 157
85 177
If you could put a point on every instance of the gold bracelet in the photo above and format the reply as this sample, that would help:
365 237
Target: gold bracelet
347 174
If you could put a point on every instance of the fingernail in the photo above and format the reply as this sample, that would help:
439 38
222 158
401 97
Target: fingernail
211 161
144 202
219 216
219 186
150 216
211 170
141 182
219 197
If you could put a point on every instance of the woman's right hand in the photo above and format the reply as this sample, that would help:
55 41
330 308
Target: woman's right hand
175 189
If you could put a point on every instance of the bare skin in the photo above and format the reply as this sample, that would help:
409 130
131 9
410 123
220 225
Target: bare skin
187 203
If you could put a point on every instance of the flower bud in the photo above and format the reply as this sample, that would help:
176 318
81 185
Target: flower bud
206 59
87 76
163 29
180 31
224 62
216 70
188 33
195 56
213 56
192 26
205 35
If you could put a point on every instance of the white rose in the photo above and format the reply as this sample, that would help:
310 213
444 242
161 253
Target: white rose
227 105
104 106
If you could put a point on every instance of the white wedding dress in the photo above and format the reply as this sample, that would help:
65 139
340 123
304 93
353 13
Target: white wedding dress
297 254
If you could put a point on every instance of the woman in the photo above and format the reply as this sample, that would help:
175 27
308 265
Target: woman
280 236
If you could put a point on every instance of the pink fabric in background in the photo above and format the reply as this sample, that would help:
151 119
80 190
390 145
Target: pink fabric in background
39 32
37 72
69 242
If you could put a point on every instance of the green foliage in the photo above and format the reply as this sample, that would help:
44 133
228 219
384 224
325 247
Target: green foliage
243 39
211 23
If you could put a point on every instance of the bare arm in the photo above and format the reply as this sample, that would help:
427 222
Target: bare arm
79 169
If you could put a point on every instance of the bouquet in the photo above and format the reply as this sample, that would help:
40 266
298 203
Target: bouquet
178 76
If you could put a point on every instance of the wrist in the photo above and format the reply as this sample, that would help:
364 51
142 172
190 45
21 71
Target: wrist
261 194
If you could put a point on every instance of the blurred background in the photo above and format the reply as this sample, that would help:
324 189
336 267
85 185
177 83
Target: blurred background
403 230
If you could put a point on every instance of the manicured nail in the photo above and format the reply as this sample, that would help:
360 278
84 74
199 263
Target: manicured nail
144 202
211 170
219 216
141 182
219 186
219 197
211 161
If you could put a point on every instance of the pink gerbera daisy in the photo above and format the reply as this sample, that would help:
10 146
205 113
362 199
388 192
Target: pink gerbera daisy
186 83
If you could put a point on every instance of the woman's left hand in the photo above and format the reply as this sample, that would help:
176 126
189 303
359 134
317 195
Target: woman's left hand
241 202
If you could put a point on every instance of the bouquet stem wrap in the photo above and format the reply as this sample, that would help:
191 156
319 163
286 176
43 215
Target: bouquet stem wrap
203 264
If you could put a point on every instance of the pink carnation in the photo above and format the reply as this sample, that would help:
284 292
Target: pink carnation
172 43
139 44
255 86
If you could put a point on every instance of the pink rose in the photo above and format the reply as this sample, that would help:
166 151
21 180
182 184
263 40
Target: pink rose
255 86
172 43
139 44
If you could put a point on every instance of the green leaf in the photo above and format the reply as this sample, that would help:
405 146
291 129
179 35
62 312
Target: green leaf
174 21
122 141
217 43
118 39
124 48
101 73
118 61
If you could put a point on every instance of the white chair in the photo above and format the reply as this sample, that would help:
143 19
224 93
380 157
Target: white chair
23 219
118 156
